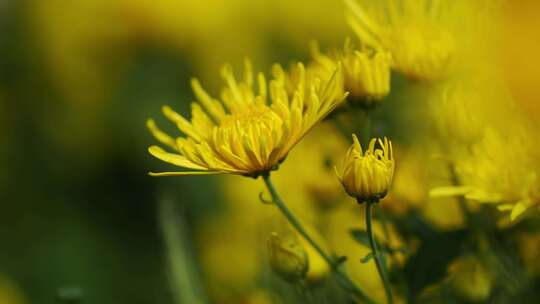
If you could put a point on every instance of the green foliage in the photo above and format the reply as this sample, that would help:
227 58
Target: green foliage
360 236
429 263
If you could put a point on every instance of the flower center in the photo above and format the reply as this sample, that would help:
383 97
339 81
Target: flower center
249 137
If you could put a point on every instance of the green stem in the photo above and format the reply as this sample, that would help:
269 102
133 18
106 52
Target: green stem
461 199
376 254
367 125
185 282
342 278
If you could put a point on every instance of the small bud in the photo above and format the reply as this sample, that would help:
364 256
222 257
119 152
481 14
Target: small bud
365 73
287 258
367 176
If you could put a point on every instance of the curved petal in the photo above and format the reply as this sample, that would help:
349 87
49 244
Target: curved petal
184 173
175 159
161 136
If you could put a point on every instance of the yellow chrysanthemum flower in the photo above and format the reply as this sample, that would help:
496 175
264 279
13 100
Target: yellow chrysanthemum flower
368 175
502 169
418 33
365 72
458 109
248 132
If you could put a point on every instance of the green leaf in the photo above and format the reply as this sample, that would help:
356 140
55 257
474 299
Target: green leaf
368 257
341 259
429 263
360 236
412 226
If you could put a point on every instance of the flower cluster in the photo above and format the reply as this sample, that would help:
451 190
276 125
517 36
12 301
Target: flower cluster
446 115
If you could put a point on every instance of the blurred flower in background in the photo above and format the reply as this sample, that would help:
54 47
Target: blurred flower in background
517 48
428 40
366 73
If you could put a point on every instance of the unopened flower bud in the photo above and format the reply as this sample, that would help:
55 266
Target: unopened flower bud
365 73
288 258
367 175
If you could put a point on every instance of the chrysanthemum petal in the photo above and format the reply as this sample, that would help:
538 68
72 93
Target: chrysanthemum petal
213 107
184 173
160 135
445 191
362 24
183 124
519 209
175 159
